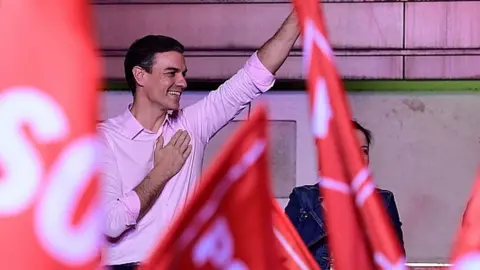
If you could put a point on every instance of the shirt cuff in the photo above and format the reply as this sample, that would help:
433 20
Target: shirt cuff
132 205
261 76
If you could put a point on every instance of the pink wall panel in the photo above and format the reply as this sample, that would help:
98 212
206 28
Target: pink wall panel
373 39
376 25
454 24
438 67
358 67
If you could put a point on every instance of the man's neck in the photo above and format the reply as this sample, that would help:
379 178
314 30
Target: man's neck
147 114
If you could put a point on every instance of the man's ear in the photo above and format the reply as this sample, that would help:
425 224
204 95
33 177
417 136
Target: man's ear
139 74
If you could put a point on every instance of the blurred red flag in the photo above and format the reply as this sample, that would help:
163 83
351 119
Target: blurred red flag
290 247
49 207
228 223
359 231
466 249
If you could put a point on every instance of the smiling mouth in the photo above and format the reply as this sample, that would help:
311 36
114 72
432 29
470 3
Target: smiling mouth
175 93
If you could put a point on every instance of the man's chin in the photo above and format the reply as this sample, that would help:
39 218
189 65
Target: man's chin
170 104
174 107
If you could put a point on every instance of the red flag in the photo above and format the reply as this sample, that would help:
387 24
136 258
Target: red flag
466 250
228 223
291 249
48 109
359 230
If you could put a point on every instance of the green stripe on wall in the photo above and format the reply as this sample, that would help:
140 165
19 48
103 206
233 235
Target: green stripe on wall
440 85
351 85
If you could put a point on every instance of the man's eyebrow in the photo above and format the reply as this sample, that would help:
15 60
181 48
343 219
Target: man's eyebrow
175 69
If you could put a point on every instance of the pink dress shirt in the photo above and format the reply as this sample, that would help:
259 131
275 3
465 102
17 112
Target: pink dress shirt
127 157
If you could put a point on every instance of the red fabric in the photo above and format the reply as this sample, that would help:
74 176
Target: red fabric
466 249
48 109
290 247
228 222
359 230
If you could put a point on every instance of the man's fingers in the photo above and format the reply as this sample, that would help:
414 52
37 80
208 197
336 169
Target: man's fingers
187 152
181 139
159 143
184 144
175 137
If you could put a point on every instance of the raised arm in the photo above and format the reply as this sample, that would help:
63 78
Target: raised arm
275 51
210 114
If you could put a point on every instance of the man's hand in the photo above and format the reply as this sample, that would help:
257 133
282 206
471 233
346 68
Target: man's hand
169 159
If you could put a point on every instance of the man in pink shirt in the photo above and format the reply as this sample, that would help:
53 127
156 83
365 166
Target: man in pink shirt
152 153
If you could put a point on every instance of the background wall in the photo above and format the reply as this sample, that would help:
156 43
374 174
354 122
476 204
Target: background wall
373 39
426 150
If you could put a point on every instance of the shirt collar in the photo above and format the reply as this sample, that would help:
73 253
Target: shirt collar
131 128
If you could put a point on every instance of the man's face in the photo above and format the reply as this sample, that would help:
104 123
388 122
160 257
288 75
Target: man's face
165 84
363 146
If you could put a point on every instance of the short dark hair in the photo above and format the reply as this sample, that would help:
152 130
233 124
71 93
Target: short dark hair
142 53
366 132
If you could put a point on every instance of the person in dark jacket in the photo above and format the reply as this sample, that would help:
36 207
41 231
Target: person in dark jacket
305 209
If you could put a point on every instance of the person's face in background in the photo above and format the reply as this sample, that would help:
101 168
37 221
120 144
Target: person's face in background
364 147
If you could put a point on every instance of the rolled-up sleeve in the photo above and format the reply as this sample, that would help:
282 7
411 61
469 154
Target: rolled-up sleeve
214 111
120 209
259 74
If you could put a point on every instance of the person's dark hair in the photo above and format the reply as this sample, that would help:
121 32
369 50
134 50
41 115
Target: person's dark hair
142 53
366 132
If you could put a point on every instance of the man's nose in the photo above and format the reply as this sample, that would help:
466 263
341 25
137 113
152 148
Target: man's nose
182 82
